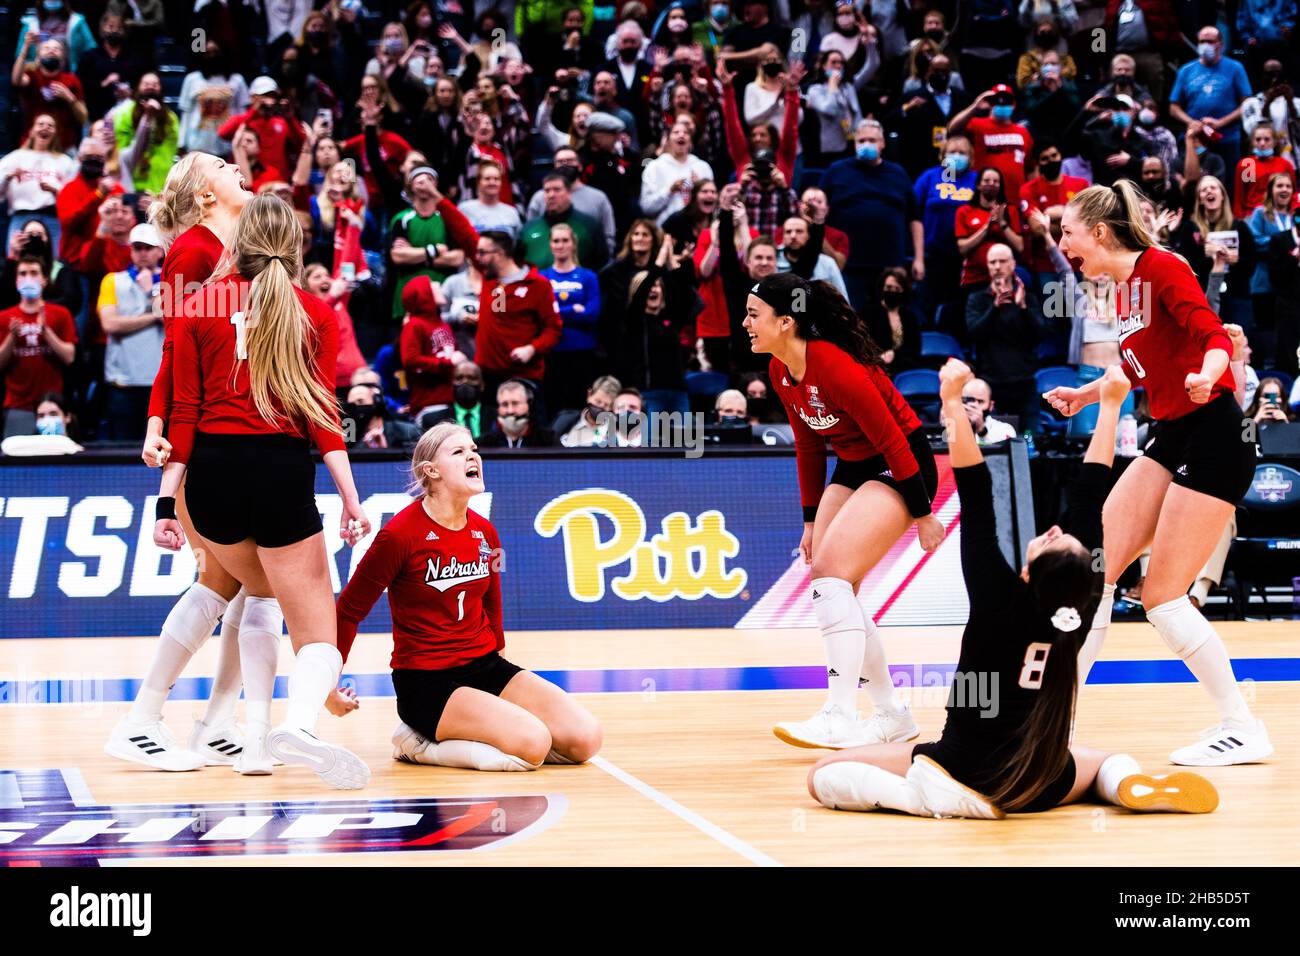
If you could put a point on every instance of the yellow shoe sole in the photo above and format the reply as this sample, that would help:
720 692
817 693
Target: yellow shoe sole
1178 793
796 742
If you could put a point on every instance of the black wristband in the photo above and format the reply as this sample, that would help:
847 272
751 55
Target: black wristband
165 509
915 495
809 514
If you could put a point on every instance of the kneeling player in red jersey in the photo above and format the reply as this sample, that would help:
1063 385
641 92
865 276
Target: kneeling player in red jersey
461 703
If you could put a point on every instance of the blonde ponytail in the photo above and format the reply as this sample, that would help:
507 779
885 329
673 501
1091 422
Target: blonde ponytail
1119 207
268 250
177 206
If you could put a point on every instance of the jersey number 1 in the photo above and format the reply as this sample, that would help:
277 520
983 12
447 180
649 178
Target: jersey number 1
460 606
241 341
1137 366
1031 675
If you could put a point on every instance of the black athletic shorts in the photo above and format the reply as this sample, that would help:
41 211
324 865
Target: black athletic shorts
252 486
1210 450
854 474
978 778
422 695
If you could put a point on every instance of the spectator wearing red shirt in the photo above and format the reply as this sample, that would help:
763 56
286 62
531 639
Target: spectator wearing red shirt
998 141
428 347
79 201
244 437
983 222
246 151
1250 185
336 293
40 341
392 149
281 136
1049 191
518 319
47 87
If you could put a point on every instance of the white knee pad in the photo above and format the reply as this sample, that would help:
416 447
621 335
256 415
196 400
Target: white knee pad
836 606
193 618
1183 628
262 615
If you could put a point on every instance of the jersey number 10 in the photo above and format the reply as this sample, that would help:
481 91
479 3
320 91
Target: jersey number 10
1137 366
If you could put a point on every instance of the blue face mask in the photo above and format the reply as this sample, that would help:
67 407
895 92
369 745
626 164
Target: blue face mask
1003 113
720 13
1121 120
869 152
957 162
29 289
1206 51
52 6
1264 153
50 425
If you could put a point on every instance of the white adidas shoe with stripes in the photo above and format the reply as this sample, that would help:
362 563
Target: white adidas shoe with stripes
1229 743
152 745
219 745
337 766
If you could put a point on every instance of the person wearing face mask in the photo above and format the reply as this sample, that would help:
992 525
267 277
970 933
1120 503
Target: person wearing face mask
1250 185
46 87
517 425
998 140
709 28
58 21
1108 141
115 62
1146 33
467 409
631 73
1046 38
1123 79
589 426
893 323
1049 191
756 40
1211 89
940 191
1156 185
40 342
870 189
367 422
1050 99
922 118
79 201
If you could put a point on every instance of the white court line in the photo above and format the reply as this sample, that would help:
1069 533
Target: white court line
732 842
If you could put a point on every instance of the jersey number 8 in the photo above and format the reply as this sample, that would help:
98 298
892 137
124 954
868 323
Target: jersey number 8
1031 675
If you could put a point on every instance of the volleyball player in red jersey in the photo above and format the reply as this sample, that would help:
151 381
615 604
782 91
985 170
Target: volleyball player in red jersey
827 372
1178 496
460 702
196 213
253 376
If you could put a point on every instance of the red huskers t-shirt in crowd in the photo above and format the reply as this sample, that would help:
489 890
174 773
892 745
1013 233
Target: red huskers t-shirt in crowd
970 220
444 590
35 369
1165 329
1005 147
211 387
854 407
1039 194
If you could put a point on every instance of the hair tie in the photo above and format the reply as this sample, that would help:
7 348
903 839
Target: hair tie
1066 619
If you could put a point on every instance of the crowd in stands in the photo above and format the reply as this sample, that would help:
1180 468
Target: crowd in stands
541 218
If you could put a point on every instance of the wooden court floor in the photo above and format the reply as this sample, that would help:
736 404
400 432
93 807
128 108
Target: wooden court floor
696 777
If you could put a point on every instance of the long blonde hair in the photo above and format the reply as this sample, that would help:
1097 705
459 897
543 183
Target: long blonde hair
177 206
1119 207
268 250
346 174
426 449
1223 220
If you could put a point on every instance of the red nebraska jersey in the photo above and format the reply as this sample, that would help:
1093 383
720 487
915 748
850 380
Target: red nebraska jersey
212 392
1004 146
854 407
188 264
34 369
970 220
1038 193
1165 329
444 590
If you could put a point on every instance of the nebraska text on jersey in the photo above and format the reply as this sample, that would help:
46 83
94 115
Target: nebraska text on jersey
440 576
820 422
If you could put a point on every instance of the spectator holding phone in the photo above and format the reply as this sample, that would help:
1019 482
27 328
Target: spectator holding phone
1270 402
57 21
279 136
147 135
46 87
113 67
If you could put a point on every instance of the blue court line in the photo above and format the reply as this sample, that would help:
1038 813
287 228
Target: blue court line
89 689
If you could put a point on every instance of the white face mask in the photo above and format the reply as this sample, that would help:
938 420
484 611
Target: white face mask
50 425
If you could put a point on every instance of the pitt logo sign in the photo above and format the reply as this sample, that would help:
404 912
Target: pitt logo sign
686 560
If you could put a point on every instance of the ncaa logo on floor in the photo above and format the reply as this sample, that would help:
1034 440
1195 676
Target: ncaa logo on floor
47 819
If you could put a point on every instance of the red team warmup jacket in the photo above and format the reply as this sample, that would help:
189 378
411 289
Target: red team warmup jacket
1165 329
444 590
856 408
212 392
189 262
427 345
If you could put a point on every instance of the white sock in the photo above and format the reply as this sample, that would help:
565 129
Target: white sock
875 674
188 625
315 673
1113 770
226 685
473 755
259 652
1189 635
841 619
1096 634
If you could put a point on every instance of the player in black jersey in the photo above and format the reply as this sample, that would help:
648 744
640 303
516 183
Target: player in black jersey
1006 745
